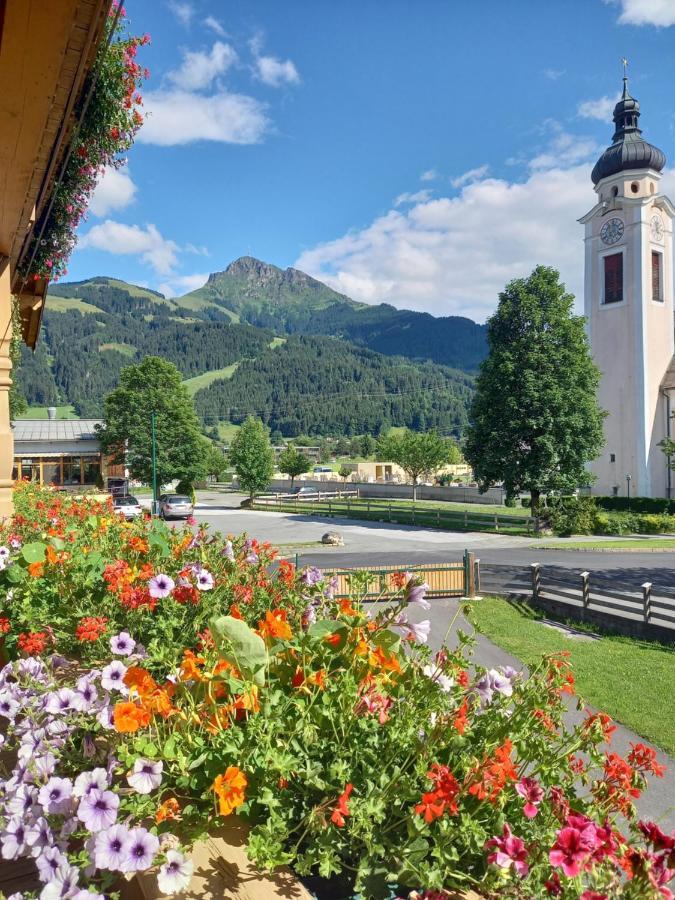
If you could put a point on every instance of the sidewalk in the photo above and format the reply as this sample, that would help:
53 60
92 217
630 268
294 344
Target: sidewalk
658 801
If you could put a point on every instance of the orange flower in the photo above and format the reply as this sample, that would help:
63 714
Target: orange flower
495 773
168 810
229 789
52 555
36 569
138 544
189 670
274 625
342 810
380 659
235 612
128 717
140 681
461 720
4 625
346 608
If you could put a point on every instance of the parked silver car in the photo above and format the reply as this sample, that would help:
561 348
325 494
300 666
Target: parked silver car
127 506
175 506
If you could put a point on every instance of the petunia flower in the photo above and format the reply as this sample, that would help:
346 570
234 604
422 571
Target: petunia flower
55 796
205 580
62 884
38 836
98 809
111 849
228 550
415 592
48 863
112 677
176 873
86 781
122 644
146 775
161 586
311 576
13 838
141 851
445 682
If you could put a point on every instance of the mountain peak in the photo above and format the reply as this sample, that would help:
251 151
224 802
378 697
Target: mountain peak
247 266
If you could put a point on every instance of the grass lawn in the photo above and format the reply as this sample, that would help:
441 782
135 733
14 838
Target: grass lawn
637 544
40 412
201 381
227 431
626 678
477 508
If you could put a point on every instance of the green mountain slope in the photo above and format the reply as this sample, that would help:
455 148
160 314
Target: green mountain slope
289 301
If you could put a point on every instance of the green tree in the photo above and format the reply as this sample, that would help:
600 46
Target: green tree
535 420
293 462
368 445
252 456
214 461
342 447
356 447
344 472
325 450
154 385
416 453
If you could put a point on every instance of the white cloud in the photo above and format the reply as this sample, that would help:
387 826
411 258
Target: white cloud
554 74
182 284
471 175
182 11
213 23
601 109
429 175
416 197
561 148
180 117
646 12
452 255
115 190
147 242
275 72
198 69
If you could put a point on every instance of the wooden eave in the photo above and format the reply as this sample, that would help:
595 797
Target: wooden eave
47 49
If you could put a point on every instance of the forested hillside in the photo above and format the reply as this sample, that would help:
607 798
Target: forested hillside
324 386
311 369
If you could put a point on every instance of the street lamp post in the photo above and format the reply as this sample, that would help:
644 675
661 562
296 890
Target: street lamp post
628 477
154 463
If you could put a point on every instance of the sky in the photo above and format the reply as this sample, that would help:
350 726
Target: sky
416 152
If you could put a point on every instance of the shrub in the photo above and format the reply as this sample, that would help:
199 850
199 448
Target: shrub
636 504
571 515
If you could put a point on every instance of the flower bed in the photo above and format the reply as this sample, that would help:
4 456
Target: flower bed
163 681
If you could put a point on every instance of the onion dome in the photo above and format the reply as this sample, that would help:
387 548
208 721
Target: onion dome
628 150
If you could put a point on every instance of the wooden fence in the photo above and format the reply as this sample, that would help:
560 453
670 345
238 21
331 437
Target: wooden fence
315 496
456 579
333 506
637 613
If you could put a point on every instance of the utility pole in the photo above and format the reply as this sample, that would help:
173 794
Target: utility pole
154 463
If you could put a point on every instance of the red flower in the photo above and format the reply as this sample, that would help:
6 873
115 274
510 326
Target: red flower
643 759
33 642
342 810
494 774
186 593
572 849
4 625
91 628
446 787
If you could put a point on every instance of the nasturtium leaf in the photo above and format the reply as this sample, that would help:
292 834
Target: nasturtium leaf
387 640
15 574
160 543
330 632
240 646
34 552
58 543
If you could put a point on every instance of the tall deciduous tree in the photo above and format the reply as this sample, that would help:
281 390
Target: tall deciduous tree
154 385
252 456
293 462
535 421
416 453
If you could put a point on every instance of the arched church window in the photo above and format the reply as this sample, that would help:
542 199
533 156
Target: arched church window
613 278
635 187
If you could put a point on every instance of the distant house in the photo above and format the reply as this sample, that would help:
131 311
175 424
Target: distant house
66 453
376 472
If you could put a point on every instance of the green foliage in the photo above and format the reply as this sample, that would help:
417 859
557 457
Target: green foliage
17 399
214 461
535 422
571 515
344 472
637 504
240 646
293 462
252 456
154 385
416 454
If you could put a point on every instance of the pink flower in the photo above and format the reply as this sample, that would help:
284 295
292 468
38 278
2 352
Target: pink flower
572 848
532 793
510 852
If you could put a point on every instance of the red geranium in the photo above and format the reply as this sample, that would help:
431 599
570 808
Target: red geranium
33 642
91 628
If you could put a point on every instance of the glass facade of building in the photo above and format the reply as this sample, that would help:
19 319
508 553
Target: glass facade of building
63 470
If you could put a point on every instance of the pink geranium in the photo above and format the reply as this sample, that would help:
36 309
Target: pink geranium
532 793
510 852
573 847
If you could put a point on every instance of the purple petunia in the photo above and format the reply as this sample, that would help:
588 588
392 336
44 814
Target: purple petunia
176 873
96 779
9 708
13 838
495 681
205 580
311 576
38 836
146 776
252 558
55 796
415 591
62 884
112 677
123 644
61 701
111 849
48 863
21 802
161 586
228 550
98 809
141 851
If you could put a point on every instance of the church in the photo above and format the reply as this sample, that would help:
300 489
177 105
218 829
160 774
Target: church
628 304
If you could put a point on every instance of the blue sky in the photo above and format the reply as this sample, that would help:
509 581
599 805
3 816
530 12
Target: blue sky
419 153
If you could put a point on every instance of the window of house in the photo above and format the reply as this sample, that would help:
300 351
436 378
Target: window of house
613 278
657 279
612 457
91 470
71 470
615 491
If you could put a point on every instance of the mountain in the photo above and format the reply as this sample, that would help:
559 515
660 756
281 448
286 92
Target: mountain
291 302
259 339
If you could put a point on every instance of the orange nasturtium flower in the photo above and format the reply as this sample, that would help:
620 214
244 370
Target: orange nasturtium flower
168 810
139 681
274 625
229 788
128 717
189 669
36 569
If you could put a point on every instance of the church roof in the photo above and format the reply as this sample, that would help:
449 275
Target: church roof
628 150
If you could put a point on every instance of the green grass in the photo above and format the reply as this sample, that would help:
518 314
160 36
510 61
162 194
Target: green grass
276 342
227 431
636 544
40 412
621 676
475 508
125 349
201 381
66 304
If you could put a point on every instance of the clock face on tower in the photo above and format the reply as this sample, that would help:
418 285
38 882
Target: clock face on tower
612 231
656 228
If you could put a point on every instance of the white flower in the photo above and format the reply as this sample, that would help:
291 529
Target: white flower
112 677
176 873
445 682
146 776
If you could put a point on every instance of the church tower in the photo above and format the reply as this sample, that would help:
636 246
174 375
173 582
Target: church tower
628 303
